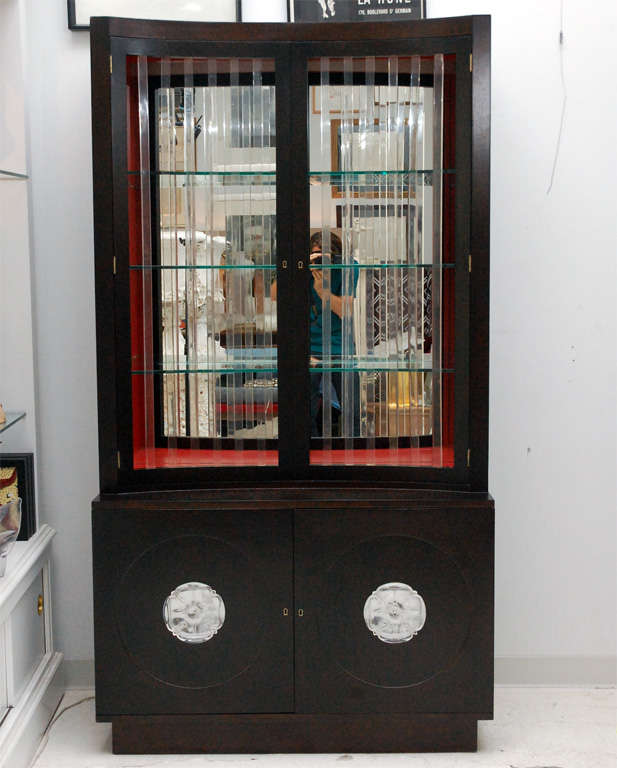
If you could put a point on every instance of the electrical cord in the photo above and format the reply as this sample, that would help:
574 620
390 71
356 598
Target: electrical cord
52 722
563 105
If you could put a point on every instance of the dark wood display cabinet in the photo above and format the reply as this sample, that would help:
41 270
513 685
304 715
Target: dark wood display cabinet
293 543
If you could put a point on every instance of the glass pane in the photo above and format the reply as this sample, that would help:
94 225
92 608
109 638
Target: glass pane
204 356
382 260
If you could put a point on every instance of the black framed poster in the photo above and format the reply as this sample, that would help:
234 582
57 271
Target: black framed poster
356 10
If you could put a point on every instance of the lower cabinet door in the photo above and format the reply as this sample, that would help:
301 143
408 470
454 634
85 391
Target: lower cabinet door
192 611
394 610
26 637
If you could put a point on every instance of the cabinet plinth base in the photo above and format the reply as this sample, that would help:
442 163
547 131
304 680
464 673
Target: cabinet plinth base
249 734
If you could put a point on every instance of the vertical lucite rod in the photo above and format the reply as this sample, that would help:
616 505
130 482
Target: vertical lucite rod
146 255
416 181
346 268
210 131
438 67
371 255
225 129
269 259
234 303
191 273
326 357
251 134
380 274
392 302
173 353
164 129
259 254
201 276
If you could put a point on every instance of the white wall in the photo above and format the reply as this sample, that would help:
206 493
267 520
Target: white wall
553 347
63 297
16 358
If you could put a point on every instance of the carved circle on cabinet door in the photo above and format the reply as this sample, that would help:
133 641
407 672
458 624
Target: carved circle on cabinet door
235 627
445 619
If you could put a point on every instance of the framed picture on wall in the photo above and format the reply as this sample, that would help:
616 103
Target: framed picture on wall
17 481
80 11
356 10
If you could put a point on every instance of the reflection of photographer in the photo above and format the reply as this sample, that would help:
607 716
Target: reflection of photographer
340 292
341 304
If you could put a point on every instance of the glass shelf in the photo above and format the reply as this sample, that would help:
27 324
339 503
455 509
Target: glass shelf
221 369
329 175
203 266
381 266
273 267
377 366
12 417
226 174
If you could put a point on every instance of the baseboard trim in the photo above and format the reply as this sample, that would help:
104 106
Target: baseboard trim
556 670
25 724
79 673
509 670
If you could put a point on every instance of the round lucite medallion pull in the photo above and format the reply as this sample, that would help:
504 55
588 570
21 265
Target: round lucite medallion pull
193 612
395 612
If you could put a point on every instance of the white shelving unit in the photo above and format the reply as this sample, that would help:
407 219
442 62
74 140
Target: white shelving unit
31 681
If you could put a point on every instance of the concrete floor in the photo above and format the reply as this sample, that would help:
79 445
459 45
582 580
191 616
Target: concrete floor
533 728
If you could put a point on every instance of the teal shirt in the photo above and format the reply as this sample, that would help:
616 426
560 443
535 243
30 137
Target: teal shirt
336 323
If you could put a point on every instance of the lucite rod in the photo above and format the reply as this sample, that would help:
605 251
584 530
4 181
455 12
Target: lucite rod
438 71
326 356
211 120
192 275
346 278
146 256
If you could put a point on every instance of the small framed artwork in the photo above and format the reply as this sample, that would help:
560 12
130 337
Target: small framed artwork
80 11
356 10
17 481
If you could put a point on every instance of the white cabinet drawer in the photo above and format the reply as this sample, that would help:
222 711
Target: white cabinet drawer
25 639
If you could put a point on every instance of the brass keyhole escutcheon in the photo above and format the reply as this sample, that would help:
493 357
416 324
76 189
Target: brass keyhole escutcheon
285 611
300 612
39 605
300 265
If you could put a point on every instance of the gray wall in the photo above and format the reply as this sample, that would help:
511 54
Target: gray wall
553 297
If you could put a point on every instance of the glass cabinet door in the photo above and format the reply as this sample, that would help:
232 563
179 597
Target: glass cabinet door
359 261
201 155
381 260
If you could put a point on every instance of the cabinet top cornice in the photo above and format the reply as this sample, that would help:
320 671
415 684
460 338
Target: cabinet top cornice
285 32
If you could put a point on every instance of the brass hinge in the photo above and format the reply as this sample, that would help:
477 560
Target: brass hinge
40 605
471 62
469 457
470 262
111 65
115 265
118 459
